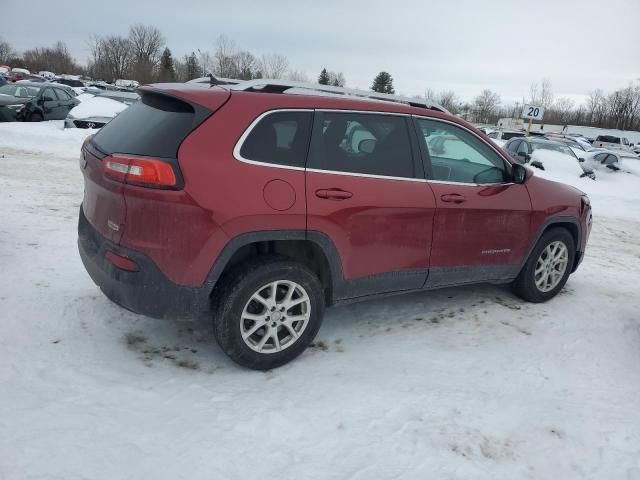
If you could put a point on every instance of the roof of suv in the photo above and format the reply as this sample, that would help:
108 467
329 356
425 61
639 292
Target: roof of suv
209 96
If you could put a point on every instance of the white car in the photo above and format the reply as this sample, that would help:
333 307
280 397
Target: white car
99 110
609 159
612 142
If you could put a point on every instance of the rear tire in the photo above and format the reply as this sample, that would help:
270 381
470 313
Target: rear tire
267 311
35 117
547 268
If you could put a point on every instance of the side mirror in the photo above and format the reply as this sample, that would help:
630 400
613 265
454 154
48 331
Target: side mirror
41 101
581 159
518 173
367 145
525 157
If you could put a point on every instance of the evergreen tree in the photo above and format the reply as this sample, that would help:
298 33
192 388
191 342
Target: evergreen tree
167 70
323 79
383 83
336 83
193 69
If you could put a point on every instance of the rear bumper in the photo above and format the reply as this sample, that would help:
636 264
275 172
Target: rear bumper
147 291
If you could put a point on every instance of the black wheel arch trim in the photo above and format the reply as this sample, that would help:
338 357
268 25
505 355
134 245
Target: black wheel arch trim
556 221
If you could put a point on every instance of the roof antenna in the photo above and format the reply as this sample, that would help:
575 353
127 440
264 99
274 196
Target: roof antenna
214 81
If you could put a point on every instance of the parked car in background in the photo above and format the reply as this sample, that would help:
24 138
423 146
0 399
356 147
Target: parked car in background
130 84
47 75
34 102
612 142
99 110
3 80
576 141
522 150
505 134
77 85
257 210
16 76
612 160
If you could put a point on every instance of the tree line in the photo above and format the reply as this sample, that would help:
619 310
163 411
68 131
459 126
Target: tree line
143 55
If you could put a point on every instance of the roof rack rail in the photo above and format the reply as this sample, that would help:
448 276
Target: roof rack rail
282 86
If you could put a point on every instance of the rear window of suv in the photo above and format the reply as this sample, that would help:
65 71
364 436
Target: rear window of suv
280 138
608 139
155 126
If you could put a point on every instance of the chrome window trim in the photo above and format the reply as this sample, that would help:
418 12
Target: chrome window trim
249 129
366 175
493 147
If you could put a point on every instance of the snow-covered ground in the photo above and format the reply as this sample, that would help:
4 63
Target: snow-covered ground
467 383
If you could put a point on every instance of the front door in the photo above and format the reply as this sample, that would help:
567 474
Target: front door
367 193
482 221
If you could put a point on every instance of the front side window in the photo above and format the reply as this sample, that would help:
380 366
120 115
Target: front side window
523 148
458 156
366 143
280 138
511 146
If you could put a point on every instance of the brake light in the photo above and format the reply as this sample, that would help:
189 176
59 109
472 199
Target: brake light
139 171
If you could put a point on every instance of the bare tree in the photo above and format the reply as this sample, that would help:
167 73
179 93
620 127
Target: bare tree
273 66
54 59
449 100
146 43
6 51
337 79
247 65
487 103
116 53
563 110
595 102
297 76
543 96
226 61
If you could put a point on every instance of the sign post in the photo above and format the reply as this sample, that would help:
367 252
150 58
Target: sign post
532 112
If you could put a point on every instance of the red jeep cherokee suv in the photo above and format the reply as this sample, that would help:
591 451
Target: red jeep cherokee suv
261 203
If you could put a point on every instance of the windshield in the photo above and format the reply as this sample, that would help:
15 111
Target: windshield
555 147
19 91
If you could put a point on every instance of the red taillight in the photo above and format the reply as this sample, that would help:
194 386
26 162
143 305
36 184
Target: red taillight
139 171
123 263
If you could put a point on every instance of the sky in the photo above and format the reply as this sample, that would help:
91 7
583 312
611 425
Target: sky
460 45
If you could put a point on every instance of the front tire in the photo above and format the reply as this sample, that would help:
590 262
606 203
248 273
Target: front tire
267 311
547 268
35 117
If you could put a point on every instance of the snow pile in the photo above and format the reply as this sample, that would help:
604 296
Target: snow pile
43 138
84 96
466 383
557 166
98 107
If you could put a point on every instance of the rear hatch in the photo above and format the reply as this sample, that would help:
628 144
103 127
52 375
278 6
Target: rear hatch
139 147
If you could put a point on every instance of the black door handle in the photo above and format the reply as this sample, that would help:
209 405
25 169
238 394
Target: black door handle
333 194
453 198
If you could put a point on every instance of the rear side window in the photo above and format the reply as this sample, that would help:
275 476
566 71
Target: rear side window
155 126
49 96
281 138
372 144
608 139
62 95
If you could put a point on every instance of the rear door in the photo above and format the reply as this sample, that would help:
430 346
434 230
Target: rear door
50 105
65 104
481 227
366 191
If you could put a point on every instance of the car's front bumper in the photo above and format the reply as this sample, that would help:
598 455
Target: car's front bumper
146 291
